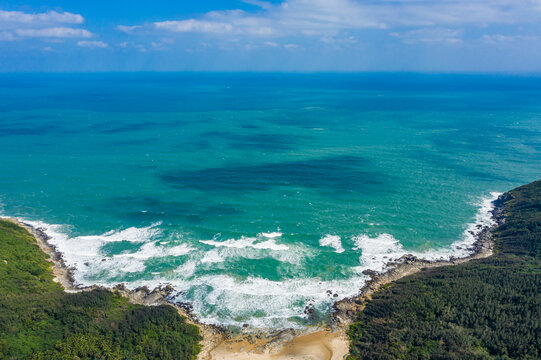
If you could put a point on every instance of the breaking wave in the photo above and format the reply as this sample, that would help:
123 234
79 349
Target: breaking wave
219 297
333 241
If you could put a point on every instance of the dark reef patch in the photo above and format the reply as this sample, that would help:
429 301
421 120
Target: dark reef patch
250 126
339 173
153 209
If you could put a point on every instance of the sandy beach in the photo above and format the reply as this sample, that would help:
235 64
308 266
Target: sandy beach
317 345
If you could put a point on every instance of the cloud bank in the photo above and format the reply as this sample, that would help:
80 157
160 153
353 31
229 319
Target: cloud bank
292 35
51 17
329 17
18 25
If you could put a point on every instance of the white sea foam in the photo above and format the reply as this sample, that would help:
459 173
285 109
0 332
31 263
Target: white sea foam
241 243
227 300
246 242
333 241
187 269
212 257
379 250
483 218
295 255
253 248
276 302
271 235
152 250
271 245
85 255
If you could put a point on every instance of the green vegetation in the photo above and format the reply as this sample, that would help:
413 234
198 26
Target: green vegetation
483 309
39 321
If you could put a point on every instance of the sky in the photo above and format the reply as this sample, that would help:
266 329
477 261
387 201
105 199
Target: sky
279 35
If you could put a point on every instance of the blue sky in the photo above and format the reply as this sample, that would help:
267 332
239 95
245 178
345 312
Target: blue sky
287 35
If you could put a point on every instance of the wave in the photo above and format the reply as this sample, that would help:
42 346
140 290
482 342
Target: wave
83 252
261 303
212 256
253 248
229 300
152 250
271 235
378 251
333 241
245 242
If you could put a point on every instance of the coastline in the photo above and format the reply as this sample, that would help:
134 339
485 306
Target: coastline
483 247
318 342
62 273
212 335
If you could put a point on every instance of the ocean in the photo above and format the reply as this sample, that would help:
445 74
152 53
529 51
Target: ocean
257 195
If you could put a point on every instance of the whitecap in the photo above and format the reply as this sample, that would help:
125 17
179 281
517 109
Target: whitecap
271 245
483 218
212 257
227 300
254 248
82 252
247 242
333 241
271 235
187 269
381 249
241 243
151 250
377 251
278 303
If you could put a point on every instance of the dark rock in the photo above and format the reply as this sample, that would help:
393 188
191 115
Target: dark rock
370 273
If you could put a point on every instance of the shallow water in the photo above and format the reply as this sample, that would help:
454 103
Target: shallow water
255 194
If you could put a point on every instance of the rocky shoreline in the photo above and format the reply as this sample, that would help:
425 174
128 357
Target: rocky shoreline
344 310
63 274
220 343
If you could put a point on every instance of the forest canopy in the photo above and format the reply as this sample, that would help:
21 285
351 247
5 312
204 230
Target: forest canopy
39 321
483 309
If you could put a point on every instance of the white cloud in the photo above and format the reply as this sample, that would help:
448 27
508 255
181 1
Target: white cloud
429 36
128 29
261 4
18 25
347 40
291 46
193 25
329 18
271 43
92 44
56 32
51 17
314 17
499 38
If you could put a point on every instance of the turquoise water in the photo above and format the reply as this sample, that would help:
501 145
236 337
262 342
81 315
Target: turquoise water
255 194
